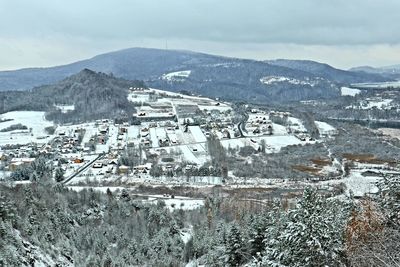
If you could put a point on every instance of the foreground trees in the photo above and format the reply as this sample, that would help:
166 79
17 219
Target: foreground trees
373 231
309 235
47 223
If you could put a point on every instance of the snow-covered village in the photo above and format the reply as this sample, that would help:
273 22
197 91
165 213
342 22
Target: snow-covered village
173 140
199 133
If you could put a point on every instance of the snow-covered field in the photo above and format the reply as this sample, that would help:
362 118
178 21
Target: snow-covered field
141 98
379 104
392 132
378 85
197 134
102 189
65 108
372 103
278 129
325 128
220 107
189 155
268 80
34 120
349 91
273 143
360 185
111 142
91 130
176 76
296 124
178 202
192 153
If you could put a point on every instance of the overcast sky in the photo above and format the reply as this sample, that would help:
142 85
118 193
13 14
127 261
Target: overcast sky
343 33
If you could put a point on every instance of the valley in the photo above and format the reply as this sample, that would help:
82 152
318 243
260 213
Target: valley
175 140
99 170
199 133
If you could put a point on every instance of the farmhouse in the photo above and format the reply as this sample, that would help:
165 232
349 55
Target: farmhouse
19 162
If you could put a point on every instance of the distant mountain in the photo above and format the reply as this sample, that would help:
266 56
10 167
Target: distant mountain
93 95
327 72
214 76
391 72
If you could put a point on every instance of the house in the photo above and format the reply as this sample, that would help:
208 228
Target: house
15 163
163 142
147 142
78 160
98 165
226 134
142 168
123 169
103 129
113 161
3 156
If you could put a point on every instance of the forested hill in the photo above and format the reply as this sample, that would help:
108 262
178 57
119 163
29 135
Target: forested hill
45 224
209 75
93 95
326 71
392 72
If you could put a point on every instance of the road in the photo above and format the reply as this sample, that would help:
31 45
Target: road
240 129
72 176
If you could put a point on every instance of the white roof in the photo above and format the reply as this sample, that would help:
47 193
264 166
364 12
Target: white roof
23 160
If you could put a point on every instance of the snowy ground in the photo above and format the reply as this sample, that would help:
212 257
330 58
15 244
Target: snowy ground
91 130
372 103
360 185
197 134
178 202
65 108
220 107
176 76
378 85
278 79
181 99
379 104
346 91
392 132
296 124
273 143
112 141
325 128
138 97
34 120
193 153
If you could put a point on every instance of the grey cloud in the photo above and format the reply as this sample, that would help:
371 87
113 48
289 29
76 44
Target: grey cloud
340 32
336 22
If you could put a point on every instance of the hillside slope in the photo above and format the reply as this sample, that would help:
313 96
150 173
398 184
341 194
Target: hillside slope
93 96
392 72
326 71
214 76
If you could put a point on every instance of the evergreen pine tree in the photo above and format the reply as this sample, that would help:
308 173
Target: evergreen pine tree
389 191
59 175
234 246
312 235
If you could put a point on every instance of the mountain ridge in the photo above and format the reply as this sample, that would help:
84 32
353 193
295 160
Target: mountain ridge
210 75
392 71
